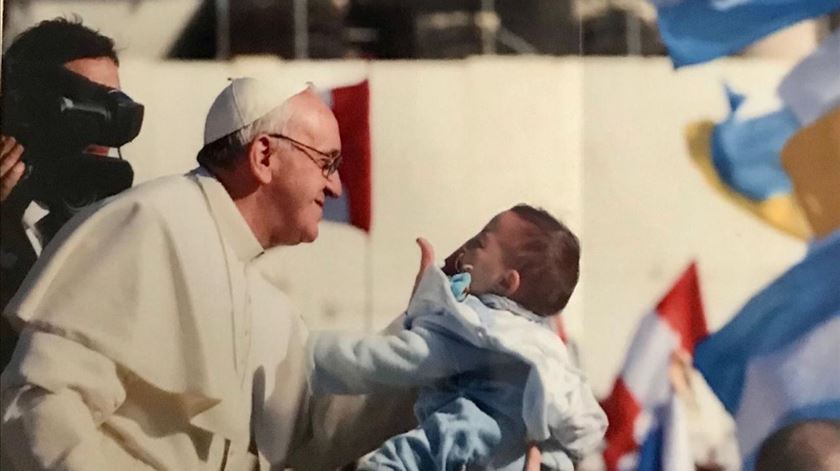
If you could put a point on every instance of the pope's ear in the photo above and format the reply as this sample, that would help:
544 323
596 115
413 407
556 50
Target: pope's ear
510 282
259 158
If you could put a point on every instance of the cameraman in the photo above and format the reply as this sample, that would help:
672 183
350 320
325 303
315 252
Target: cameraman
62 114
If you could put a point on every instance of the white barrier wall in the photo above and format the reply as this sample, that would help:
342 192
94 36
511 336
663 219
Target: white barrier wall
453 144
597 142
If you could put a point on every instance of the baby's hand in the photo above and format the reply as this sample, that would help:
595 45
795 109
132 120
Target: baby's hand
427 257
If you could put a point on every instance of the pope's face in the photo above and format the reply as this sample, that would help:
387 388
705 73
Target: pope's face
299 188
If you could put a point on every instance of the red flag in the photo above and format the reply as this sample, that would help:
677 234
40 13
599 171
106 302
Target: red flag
351 106
643 390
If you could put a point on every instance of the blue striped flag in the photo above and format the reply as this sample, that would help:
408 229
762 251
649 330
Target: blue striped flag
775 362
696 31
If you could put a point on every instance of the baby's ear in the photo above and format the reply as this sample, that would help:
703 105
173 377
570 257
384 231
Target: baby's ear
510 282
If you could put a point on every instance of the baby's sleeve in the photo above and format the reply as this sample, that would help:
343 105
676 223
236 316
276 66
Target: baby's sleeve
343 363
581 427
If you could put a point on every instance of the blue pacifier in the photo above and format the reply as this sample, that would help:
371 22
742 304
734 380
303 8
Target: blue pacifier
460 284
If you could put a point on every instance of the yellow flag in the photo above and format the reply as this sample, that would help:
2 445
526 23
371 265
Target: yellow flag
780 211
812 159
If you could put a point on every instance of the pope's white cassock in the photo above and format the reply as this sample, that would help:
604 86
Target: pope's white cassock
150 340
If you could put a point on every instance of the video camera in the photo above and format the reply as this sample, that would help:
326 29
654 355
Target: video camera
56 114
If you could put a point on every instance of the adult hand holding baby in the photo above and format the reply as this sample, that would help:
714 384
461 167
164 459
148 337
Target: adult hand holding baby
427 257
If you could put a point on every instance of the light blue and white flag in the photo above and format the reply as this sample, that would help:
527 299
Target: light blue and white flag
812 88
747 151
775 362
696 31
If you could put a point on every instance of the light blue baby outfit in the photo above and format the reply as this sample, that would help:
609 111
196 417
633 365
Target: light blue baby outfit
493 376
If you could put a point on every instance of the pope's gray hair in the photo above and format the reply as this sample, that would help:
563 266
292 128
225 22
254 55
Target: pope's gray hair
224 151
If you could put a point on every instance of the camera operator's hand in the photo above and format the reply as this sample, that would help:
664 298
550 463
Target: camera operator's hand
11 167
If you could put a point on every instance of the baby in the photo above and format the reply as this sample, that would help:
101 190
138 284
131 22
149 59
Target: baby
493 375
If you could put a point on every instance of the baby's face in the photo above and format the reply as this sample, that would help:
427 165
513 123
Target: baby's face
485 256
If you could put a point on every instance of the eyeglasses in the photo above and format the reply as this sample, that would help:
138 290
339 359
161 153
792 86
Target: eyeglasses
328 167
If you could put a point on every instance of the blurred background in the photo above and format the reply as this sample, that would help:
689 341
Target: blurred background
476 105
514 101
380 29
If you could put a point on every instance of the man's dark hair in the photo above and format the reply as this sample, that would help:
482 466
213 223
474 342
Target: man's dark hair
57 41
50 43
548 262
806 445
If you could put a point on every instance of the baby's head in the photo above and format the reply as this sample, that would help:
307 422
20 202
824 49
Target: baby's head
524 254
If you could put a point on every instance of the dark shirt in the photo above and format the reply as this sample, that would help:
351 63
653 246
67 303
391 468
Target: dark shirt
16 259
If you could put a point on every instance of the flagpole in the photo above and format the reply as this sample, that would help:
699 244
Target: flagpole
368 285
633 33
301 19
223 51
